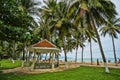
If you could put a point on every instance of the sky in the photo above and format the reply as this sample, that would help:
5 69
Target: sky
106 43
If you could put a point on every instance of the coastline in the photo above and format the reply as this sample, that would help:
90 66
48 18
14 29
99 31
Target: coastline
109 60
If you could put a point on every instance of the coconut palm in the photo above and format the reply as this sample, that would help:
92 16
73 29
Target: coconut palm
112 28
60 26
91 36
95 12
44 30
78 42
31 7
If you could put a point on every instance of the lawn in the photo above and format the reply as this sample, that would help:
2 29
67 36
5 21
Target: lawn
81 73
7 64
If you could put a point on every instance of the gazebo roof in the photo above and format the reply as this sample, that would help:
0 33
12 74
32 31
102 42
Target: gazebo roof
44 46
44 43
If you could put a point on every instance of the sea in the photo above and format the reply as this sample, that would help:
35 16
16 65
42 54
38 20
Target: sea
89 59
96 55
86 56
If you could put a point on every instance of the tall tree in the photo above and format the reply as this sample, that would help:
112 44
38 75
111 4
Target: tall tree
15 22
31 7
112 28
91 36
78 42
95 12
60 27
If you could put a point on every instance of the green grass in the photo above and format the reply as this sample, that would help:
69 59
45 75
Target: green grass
7 64
81 73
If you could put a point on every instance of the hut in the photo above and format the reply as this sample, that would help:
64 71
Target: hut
45 47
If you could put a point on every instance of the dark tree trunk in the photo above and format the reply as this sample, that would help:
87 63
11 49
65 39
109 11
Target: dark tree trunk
100 46
76 54
65 53
23 52
114 51
57 58
64 49
101 50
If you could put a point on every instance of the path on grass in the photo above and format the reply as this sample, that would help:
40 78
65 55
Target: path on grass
60 68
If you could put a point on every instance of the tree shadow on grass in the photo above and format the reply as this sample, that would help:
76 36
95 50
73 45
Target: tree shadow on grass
5 76
112 75
2 76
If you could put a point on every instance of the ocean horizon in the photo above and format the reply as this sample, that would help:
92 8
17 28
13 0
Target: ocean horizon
86 56
89 59
96 55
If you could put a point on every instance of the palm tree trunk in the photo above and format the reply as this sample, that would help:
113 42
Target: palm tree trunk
114 51
76 54
101 50
82 55
91 52
65 53
57 57
64 49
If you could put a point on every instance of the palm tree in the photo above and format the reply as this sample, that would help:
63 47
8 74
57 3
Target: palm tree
78 42
94 12
91 36
112 28
31 7
44 30
60 26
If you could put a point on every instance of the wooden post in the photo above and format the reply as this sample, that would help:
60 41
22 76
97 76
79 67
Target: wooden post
53 61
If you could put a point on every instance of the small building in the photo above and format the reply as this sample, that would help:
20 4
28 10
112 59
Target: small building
45 47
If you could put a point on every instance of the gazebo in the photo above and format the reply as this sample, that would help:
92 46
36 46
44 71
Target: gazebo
45 47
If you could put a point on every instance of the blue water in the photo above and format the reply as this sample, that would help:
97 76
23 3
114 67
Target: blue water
87 59
86 56
96 55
